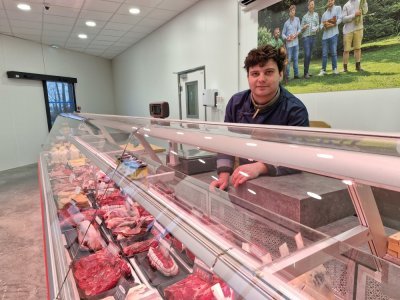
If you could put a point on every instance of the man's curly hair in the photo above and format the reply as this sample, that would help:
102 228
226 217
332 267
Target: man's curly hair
261 55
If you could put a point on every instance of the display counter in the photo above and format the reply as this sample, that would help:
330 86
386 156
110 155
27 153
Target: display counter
126 219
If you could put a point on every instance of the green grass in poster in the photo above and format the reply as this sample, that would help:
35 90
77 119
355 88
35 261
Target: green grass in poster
380 60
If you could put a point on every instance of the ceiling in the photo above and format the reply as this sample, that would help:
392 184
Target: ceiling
115 31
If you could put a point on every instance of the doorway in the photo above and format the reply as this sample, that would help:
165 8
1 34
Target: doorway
191 84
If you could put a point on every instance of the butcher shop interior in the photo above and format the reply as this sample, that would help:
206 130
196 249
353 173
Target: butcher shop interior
128 171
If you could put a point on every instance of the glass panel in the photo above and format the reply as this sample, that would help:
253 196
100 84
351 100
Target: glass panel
192 101
287 235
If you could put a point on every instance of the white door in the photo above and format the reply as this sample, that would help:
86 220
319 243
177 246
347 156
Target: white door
191 89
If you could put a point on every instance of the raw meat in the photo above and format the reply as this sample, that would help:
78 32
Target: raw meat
194 287
161 260
139 247
99 272
89 237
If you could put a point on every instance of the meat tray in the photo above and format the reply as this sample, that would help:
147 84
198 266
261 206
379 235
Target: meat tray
154 277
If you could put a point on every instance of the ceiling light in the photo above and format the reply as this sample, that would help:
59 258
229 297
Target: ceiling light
23 6
134 11
90 23
54 46
82 36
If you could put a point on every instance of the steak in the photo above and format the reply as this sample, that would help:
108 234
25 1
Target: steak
139 247
196 288
99 272
161 260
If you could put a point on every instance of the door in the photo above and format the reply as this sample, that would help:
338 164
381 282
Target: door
191 86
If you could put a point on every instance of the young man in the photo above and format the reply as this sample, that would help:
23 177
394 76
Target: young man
353 30
309 27
276 41
291 29
329 24
266 102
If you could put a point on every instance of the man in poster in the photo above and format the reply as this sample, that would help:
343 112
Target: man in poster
330 20
309 26
290 31
276 41
353 30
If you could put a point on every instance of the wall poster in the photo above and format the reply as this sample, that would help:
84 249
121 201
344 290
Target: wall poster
364 34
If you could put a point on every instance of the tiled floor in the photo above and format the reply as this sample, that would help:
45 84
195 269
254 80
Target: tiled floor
22 268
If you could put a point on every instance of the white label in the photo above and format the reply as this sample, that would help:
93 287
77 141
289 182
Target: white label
246 247
102 185
121 288
266 259
71 177
78 190
284 250
299 241
217 292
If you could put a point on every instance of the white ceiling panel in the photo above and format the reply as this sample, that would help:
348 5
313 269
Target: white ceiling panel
59 20
148 3
162 14
178 5
100 43
26 24
96 15
16 15
71 3
151 23
126 19
57 27
107 38
61 23
113 32
118 26
100 5
63 11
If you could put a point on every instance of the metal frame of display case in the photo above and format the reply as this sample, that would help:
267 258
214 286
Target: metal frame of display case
338 162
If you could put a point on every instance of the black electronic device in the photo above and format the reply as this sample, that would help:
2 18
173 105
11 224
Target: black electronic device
159 109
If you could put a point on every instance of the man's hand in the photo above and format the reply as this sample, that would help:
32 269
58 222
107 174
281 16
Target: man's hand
222 182
305 26
358 13
246 172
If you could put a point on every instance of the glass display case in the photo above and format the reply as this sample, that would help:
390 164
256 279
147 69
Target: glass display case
129 212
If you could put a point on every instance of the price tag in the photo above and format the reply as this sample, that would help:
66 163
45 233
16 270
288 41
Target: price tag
217 292
266 259
284 250
71 177
246 247
102 185
299 241
78 190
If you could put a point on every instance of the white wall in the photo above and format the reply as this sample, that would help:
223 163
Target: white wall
208 34
204 35
23 121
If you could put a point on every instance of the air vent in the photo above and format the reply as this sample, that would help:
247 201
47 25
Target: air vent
246 2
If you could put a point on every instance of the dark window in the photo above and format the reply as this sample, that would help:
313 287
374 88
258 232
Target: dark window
60 98
192 101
